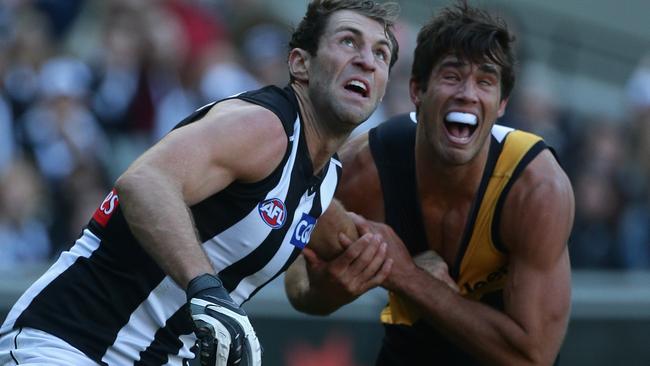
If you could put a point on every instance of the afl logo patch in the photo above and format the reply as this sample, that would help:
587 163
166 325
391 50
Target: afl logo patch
273 212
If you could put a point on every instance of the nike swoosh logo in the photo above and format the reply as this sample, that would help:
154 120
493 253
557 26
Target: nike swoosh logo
223 301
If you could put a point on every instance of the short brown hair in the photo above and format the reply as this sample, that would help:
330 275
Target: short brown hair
308 33
470 34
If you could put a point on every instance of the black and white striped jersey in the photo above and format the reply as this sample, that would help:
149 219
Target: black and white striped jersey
106 297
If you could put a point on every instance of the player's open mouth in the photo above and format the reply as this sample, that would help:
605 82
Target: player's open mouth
460 125
357 87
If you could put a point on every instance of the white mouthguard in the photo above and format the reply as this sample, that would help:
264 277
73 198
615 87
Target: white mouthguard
460 117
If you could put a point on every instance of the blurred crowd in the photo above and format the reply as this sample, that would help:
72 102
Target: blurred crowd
87 85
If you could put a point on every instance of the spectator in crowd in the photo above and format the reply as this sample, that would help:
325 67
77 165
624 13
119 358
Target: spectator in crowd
23 231
29 49
7 138
634 232
62 135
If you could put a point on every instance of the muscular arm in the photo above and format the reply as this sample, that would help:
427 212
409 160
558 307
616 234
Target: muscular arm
536 222
319 287
188 165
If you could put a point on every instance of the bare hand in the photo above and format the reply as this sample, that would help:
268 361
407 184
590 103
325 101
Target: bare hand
361 266
403 265
433 264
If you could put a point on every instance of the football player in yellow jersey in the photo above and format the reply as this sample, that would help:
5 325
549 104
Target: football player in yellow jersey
493 202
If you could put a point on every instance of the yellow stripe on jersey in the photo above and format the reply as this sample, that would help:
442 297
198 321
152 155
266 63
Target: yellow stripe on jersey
483 267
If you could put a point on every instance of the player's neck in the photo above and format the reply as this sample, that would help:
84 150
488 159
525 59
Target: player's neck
322 142
447 182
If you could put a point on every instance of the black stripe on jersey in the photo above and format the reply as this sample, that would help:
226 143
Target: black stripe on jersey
109 289
391 145
523 163
490 164
260 256
197 115
222 210
315 211
282 102
294 254
166 340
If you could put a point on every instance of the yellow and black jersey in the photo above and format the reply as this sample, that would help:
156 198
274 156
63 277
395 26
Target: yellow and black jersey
481 268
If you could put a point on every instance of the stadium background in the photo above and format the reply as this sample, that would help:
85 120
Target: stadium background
86 85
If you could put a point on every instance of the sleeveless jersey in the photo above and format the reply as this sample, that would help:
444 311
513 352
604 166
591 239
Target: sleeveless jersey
108 298
481 267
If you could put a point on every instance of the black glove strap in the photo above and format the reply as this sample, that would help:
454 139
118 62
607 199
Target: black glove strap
202 282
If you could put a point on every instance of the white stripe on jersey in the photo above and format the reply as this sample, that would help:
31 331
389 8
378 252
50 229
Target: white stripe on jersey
251 283
221 249
328 186
248 284
83 247
141 329
184 353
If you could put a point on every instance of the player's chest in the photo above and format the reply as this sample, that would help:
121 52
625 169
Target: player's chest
444 230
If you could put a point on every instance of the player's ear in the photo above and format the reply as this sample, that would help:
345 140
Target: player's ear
502 107
299 64
415 93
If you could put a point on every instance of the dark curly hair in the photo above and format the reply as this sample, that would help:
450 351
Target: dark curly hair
470 34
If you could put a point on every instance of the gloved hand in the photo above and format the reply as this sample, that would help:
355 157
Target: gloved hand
225 336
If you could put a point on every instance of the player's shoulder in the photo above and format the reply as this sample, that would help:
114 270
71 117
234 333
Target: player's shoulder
357 153
359 188
545 168
539 209
242 125
245 115
353 149
544 186
530 151
248 138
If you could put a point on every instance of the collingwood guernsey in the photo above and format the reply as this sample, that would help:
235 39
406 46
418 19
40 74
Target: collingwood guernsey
106 289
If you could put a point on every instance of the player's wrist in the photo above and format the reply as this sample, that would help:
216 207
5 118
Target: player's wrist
201 283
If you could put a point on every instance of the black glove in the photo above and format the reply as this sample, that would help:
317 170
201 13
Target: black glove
225 336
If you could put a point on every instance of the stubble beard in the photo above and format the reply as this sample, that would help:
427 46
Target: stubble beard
340 118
